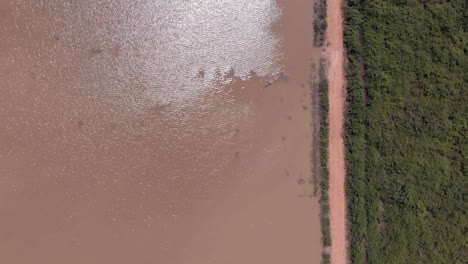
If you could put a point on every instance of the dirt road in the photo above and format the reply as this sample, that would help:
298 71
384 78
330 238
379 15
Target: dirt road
336 162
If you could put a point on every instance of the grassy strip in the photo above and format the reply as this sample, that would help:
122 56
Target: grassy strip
320 26
326 259
320 22
324 122
406 124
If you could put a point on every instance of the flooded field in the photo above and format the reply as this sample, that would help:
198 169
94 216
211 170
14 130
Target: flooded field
156 131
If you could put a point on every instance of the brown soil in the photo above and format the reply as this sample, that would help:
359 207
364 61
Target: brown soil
334 52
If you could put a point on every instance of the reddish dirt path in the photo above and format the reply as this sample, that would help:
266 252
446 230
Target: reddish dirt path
335 52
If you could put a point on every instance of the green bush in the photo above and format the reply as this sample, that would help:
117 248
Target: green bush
326 258
406 126
325 208
320 22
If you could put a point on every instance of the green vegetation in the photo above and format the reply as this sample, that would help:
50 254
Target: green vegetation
326 259
324 205
320 22
406 130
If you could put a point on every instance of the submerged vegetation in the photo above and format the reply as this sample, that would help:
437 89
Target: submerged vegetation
320 22
406 130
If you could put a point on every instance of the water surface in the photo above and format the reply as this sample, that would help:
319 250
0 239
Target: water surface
157 132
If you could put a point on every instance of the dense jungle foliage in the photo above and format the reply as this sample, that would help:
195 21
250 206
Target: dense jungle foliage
406 130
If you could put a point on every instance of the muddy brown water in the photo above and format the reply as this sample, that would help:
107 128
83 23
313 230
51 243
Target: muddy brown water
167 132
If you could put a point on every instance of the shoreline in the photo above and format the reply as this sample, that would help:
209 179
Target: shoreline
334 51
